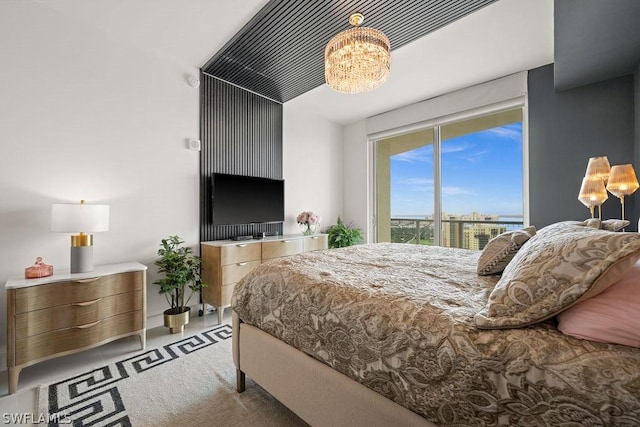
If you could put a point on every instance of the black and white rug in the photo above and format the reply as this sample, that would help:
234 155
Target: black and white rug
187 382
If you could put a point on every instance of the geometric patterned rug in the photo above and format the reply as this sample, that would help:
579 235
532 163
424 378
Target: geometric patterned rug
190 382
94 397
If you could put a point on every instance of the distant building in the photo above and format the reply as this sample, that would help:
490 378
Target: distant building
458 231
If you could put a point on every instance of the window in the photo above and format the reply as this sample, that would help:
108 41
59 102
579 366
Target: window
455 185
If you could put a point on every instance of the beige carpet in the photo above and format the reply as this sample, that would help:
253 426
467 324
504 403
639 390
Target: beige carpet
188 383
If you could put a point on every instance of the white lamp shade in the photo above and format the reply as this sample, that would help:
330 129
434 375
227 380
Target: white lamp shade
74 218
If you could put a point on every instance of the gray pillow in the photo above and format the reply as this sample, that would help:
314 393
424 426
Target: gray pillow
501 249
559 266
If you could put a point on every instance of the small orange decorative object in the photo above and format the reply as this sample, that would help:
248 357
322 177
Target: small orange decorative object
38 269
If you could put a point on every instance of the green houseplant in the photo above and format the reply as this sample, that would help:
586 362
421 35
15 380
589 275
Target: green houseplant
342 235
181 280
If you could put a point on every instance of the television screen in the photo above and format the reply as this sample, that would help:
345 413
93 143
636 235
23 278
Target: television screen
238 199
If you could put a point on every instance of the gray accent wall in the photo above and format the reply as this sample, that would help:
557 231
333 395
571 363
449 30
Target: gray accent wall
241 134
565 129
595 40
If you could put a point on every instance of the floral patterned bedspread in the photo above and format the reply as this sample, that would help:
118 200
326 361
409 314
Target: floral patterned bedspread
398 318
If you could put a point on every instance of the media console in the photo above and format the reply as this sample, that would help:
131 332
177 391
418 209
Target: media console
225 262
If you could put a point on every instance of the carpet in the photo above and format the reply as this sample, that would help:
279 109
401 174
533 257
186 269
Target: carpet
190 382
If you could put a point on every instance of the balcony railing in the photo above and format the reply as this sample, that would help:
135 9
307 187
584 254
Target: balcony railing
455 233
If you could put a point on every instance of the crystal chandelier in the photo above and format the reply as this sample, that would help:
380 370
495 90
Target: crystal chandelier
358 59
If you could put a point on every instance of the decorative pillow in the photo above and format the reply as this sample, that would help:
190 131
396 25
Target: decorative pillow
591 222
500 250
609 224
612 317
561 264
614 224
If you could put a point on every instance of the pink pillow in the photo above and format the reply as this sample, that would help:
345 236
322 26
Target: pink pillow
612 316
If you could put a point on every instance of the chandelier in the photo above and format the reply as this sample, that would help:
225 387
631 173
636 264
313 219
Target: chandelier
358 59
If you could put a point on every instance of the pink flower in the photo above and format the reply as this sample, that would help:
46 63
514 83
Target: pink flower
308 217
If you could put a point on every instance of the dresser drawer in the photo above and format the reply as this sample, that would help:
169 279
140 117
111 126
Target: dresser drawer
281 248
234 272
43 345
218 296
315 243
240 252
75 314
63 293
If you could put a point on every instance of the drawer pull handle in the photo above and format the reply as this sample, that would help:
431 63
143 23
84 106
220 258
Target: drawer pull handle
315 237
286 241
93 279
88 325
242 263
242 245
86 303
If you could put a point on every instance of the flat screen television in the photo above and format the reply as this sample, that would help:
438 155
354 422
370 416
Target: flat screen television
238 199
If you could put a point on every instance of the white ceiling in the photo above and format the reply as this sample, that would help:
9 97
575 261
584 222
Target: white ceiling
506 37
501 39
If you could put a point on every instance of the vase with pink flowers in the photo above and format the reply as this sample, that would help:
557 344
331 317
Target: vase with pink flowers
308 222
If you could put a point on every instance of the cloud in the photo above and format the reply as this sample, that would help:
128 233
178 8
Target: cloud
456 191
414 185
476 157
511 132
413 156
448 147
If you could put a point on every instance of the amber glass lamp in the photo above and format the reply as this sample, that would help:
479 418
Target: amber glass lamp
622 182
598 167
592 194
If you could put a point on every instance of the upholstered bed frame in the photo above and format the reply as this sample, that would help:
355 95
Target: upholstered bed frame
315 392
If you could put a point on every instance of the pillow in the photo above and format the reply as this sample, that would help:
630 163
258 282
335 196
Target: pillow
561 264
614 224
611 317
591 222
500 250
609 224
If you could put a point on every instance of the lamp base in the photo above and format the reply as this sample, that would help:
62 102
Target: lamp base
81 259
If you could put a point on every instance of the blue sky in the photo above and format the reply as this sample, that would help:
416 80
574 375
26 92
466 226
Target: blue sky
480 172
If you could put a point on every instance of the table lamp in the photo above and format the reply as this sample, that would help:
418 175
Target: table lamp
592 193
81 218
622 182
598 167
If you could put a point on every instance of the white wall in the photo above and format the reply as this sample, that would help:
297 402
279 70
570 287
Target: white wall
313 168
84 116
357 179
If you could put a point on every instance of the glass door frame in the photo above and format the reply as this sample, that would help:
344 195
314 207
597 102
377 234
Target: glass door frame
436 124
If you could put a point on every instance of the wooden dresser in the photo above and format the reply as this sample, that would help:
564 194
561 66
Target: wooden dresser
67 313
227 261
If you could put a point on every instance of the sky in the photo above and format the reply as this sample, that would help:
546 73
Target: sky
481 172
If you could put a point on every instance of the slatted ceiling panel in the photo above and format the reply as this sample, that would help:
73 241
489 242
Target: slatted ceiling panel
241 134
280 52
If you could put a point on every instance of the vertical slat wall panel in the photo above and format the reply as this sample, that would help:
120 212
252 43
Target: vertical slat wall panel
241 134
280 52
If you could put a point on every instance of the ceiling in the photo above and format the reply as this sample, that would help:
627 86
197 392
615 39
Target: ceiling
280 52
502 38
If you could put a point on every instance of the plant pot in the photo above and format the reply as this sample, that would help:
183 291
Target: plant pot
175 321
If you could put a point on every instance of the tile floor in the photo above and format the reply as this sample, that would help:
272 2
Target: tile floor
25 399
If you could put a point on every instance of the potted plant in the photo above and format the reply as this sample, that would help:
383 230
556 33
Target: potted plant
342 235
181 279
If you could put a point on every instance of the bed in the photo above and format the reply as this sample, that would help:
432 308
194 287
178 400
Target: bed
399 334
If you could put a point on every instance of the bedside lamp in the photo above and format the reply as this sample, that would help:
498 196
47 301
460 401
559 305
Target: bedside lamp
82 218
598 167
622 182
593 193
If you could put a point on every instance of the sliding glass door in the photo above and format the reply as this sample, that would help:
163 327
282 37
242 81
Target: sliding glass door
405 188
455 185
